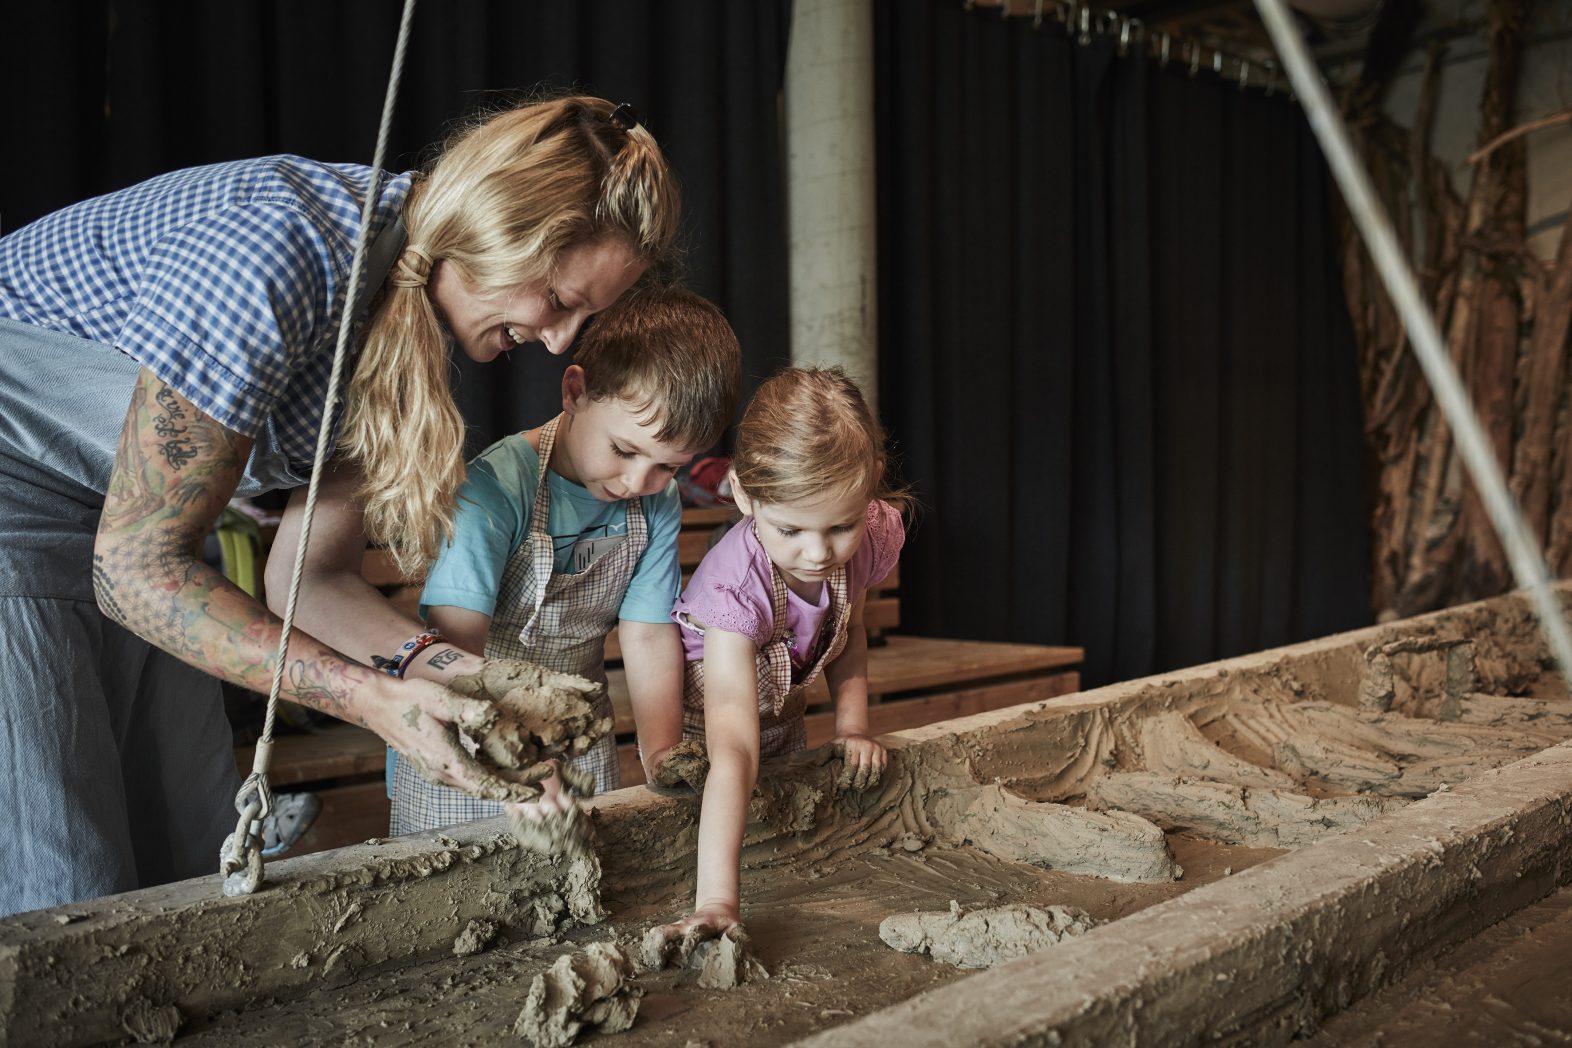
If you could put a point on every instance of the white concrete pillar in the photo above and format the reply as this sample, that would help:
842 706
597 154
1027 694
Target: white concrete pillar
830 188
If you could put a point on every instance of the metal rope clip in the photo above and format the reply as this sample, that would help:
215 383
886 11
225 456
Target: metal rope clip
1086 27
1037 15
1244 73
1195 57
1162 56
240 856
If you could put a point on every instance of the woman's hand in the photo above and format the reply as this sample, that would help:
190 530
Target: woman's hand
528 713
422 720
863 761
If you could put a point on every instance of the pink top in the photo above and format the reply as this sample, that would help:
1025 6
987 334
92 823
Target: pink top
730 589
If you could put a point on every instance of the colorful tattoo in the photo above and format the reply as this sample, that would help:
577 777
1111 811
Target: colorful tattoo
175 470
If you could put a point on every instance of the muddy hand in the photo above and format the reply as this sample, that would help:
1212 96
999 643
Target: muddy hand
862 762
529 712
673 944
421 721
684 764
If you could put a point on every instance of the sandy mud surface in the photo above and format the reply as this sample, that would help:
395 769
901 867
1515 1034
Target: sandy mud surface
816 931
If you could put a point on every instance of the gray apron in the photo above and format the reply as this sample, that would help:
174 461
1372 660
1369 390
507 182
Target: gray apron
117 765
560 623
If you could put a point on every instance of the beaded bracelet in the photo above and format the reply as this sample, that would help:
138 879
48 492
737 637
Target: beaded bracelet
395 666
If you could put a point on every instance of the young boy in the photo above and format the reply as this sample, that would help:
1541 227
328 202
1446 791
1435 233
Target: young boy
545 561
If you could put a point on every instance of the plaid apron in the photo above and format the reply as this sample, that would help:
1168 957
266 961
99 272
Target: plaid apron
561 625
782 693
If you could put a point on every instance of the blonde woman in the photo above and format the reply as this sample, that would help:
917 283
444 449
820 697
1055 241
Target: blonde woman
167 347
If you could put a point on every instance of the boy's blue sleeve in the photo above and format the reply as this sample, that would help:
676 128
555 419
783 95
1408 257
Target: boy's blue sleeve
658 575
487 528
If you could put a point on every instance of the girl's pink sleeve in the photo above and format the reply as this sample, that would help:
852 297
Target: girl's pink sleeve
885 537
721 606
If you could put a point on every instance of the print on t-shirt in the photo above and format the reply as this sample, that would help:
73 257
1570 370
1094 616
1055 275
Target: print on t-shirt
591 545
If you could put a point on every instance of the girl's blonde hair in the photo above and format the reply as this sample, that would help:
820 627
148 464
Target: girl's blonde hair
507 194
808 433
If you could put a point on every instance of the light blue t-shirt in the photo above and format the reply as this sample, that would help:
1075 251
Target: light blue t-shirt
493 516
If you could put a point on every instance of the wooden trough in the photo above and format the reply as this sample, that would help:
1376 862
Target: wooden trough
1264 840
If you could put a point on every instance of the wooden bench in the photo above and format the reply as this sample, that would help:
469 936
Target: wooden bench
911 681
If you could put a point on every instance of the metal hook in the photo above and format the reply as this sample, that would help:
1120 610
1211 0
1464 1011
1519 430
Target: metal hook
1086 26
1037 15
1162 57
1195 57
1124 38
1217 62
1244 73
1004 10
1271 76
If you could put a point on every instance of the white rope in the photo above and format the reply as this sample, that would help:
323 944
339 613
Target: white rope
240 855
1523 552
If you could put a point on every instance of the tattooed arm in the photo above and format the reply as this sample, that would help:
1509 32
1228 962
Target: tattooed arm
336 603
174 472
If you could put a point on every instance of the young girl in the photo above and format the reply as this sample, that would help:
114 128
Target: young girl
777 602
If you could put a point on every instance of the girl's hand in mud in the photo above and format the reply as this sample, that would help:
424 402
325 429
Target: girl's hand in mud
421 720
862 761
674 943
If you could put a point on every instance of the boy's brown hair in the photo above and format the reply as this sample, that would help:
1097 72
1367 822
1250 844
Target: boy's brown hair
671 354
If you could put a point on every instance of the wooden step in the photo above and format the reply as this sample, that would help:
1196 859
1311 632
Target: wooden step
900 714
911 664
337 751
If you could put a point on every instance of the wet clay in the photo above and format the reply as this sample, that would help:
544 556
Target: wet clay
145 1023
982 938
724 961
584 991
727 962
531 713
685 764
567 833
476 936
1114 844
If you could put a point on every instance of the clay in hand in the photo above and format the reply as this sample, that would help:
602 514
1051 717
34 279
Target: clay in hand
530 713
684 764
724 956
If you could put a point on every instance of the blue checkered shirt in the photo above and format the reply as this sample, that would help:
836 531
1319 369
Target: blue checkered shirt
227 281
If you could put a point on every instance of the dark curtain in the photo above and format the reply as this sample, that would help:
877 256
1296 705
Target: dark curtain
1113 353
101 94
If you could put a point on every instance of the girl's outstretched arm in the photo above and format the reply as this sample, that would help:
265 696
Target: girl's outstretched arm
847 677
731 734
